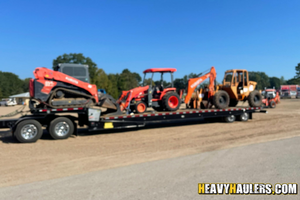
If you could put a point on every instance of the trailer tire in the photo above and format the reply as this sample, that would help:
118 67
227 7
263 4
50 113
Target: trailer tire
61 128
28 131
229 119
171 101
221 99
255 99
244 117
272 104
233 102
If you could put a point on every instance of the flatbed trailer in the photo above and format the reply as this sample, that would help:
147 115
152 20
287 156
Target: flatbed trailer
62 123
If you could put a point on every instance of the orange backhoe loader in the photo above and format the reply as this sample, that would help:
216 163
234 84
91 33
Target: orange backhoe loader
271 98
194 99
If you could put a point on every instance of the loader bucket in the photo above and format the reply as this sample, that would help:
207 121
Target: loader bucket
107 101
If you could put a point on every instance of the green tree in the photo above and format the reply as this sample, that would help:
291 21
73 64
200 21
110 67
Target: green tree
282 81
78 58
180 83
165 83
10 84
128 80
261 78
26 84
102 81
147 81
293 81
274 82
137 77
114 92
297 68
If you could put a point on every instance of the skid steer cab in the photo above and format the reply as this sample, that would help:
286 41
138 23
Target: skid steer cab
158 97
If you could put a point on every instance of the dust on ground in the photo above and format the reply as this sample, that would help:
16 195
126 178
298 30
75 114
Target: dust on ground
49 159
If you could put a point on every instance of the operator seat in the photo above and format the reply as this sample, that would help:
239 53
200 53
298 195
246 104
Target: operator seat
155 91
161 88
240 87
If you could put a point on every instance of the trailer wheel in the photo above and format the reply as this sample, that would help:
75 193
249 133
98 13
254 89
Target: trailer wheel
221 99
255 99
171 101
272 104
244 117
140 107
229 119
28 131
61 128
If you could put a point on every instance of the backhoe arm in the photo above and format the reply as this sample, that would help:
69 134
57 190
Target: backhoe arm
194 82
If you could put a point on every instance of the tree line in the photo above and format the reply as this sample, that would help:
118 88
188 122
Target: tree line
114 84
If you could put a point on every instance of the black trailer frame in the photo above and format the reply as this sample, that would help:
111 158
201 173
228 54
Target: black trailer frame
92 118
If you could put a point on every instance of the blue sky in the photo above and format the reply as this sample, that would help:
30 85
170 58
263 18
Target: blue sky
191 36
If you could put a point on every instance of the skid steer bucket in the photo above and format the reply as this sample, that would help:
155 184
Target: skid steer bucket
108 102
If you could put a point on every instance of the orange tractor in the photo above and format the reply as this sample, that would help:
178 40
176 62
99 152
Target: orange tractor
271 98
236 87
157 97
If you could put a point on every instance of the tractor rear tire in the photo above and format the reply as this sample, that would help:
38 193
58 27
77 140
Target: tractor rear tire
233 102
221 99
255 99
272 104
140 107
171 101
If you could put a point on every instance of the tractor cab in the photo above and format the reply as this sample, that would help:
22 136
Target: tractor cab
237 84
270 93
158 89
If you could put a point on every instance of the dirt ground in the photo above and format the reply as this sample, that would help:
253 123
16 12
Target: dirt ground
49 159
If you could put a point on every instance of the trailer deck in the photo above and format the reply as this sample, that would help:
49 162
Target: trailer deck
28 128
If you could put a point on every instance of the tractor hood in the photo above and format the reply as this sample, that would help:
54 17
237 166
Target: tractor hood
127 96
135 92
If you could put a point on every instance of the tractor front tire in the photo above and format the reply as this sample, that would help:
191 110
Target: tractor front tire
272 104
233 102
171 101
255 99
140 107
221 99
